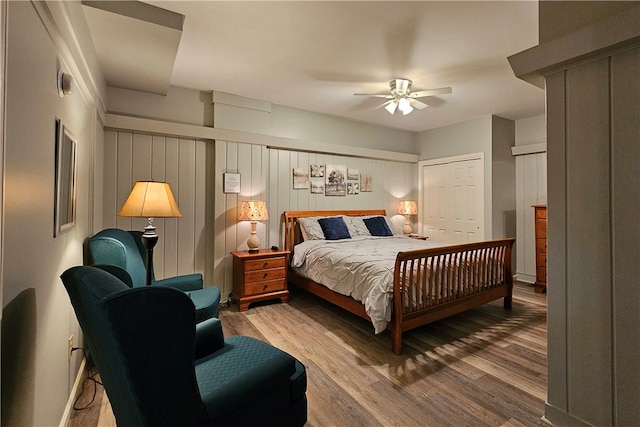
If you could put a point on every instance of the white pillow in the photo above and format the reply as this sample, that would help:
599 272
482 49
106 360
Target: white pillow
356 226
310 228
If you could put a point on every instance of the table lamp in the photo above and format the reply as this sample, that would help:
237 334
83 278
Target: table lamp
150 199
406 208
253 210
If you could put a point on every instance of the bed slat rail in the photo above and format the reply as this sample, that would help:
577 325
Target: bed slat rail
429 277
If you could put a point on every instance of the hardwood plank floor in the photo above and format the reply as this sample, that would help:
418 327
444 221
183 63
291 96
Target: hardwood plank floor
485 367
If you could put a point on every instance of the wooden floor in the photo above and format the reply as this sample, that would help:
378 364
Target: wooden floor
485 367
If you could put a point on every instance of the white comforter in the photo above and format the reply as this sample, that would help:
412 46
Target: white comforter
360 267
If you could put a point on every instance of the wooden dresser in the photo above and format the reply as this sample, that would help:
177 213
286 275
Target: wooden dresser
541 247
259 276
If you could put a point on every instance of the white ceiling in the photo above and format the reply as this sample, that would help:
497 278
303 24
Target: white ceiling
314 55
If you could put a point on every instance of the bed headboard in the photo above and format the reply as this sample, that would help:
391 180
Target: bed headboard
292 233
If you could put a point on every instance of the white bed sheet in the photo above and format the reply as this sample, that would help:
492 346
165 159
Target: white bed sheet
360 267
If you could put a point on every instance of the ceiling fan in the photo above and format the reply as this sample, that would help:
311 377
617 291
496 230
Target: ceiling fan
401 98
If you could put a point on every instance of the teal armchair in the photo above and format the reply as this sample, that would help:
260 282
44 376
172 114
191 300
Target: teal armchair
124 249
161 368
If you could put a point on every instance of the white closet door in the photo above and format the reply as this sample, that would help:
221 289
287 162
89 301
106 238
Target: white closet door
453 201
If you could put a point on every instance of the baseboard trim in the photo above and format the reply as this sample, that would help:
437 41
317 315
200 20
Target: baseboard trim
75 391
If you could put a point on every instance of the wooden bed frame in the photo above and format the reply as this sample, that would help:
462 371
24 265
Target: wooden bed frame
475 273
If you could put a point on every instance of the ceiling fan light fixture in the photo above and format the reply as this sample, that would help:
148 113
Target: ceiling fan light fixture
405 106
391 107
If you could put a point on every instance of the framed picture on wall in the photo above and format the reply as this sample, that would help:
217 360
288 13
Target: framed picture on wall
366 182
64 213
317 187
317 171
300 179
231 182
335 183
353 188
353 174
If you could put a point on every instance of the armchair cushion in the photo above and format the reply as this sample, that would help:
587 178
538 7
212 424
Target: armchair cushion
160 368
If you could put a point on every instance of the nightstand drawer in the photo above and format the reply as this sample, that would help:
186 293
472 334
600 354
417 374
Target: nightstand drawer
264 287
260 264
262 275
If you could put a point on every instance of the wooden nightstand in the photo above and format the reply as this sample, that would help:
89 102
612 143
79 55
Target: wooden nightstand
418 237
259 276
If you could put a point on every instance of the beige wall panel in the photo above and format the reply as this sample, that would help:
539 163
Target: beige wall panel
186 200
200 206
110 198
588 239
167 165
625 129
124 150
557 375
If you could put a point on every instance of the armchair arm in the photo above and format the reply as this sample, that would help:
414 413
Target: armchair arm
117 271
187 282
209 337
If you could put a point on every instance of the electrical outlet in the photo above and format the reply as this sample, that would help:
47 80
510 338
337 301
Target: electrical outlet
70 346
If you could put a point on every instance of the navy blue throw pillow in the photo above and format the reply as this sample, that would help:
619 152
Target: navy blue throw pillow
334 228
377 226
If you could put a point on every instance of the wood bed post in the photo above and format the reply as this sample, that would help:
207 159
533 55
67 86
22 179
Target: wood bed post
508 276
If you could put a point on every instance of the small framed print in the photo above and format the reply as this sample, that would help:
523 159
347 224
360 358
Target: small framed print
353 174
231 182
366 182
317 171
300 179
317 187
353 188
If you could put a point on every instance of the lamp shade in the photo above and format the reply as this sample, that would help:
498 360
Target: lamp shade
151 199
407 207
253 210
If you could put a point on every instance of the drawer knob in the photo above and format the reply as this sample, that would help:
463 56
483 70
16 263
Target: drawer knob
265 264
264 276
264 288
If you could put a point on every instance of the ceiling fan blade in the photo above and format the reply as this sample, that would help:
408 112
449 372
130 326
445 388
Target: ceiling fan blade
375 95
384 104
417 104
430 92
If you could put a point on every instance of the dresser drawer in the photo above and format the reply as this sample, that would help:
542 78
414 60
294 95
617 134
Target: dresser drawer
541 246
541 275
264 287
261 264
541 213
541 260
262 275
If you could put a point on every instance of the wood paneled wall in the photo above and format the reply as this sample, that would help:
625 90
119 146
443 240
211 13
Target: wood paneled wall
130 157
531 189
202 239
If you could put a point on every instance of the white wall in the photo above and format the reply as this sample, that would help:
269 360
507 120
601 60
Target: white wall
37 316
492 136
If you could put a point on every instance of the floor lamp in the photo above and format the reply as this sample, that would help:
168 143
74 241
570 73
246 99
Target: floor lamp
149 199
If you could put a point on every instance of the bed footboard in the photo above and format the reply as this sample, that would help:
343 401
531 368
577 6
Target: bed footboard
431 284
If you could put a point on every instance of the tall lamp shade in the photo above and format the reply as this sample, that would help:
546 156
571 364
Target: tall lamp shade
407 208
149 199
253 210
